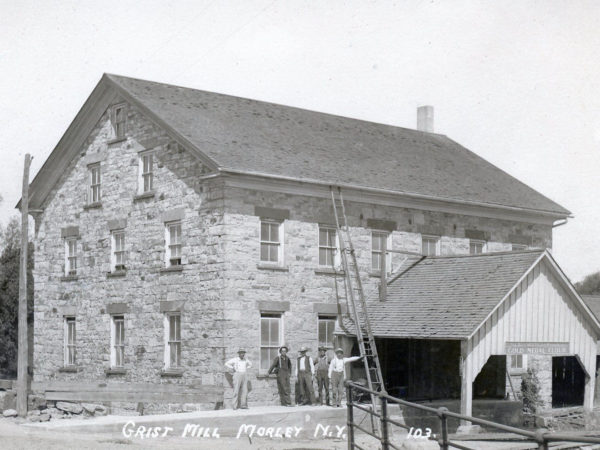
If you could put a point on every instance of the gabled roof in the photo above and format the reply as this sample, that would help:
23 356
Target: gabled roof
449 297
239 135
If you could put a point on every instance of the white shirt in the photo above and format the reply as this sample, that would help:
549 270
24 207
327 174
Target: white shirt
339 364
239 365
300 365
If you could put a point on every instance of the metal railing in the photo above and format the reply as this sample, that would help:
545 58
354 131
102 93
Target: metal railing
540 436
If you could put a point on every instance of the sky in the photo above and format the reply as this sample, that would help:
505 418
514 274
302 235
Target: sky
517 82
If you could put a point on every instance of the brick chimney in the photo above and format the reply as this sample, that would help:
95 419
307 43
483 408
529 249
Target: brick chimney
425 118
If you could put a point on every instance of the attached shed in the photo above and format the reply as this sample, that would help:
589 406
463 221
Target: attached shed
490 306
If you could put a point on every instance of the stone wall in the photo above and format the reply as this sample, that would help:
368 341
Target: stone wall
145 284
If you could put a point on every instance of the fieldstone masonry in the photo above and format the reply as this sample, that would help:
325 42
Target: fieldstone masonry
221 282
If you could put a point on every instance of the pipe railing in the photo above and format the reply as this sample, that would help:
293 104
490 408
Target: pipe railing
541 436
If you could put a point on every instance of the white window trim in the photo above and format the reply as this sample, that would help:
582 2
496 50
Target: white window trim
280 252
141 156
113 250
517 370
337 256
91 168
168 242
271 315
67 262
326 317
167 352
438 242
66 320
113 112
478 241
113 341
388 257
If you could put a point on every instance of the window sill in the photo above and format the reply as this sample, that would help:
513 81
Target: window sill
116 274
172 269
70 369
144 196
95 205
69 278
275 267
171 373
517 372
115 371
378 274
116 140
329 271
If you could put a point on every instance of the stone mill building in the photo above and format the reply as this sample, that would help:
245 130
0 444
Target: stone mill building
174 226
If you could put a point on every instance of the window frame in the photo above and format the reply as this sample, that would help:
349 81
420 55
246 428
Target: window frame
272 350
95 189
388 256
336 259
169 245
117 341
142 174
476 242
120 132
169 343
114 263
328 319
70 258
270 243
70 342
430 237
512 369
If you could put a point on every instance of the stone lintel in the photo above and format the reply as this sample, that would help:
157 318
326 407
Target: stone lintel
93 158
117 224
380 224
153 142
479 235
172 305
71 231
329 308
271 213
172 215
117 308
67 310
519 239
267 306
429 230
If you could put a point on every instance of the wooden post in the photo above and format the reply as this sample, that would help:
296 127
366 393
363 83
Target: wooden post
383 284
23 353
466 389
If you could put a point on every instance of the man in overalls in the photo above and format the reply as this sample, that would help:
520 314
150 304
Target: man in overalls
322 368
282 366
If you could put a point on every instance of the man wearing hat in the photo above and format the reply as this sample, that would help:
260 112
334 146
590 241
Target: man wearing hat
239 366
337 373
322 368
305 369
282 366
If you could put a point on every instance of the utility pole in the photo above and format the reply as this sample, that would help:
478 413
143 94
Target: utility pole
23 353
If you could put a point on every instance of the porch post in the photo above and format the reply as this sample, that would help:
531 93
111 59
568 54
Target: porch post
466 388
589 392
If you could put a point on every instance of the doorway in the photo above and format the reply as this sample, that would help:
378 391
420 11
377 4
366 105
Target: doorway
568 382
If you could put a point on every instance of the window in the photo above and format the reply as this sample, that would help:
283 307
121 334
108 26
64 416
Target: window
329 255
71 256
173 240
146 175
271 332
476 247
120 121
70 340
518 247
270 242
518 363
117 341
378 238
118 250
326 327
95 194
430 245
173 340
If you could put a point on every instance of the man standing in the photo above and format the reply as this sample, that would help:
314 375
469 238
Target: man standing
240 365
305 369
282 366
323 375
337 373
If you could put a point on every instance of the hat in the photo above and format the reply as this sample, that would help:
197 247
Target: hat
241 350
339 350
284 346
322 347
303 349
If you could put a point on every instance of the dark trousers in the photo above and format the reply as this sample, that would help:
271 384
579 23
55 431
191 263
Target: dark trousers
283 386
323 383
307 392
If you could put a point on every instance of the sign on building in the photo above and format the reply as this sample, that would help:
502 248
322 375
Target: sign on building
537 348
